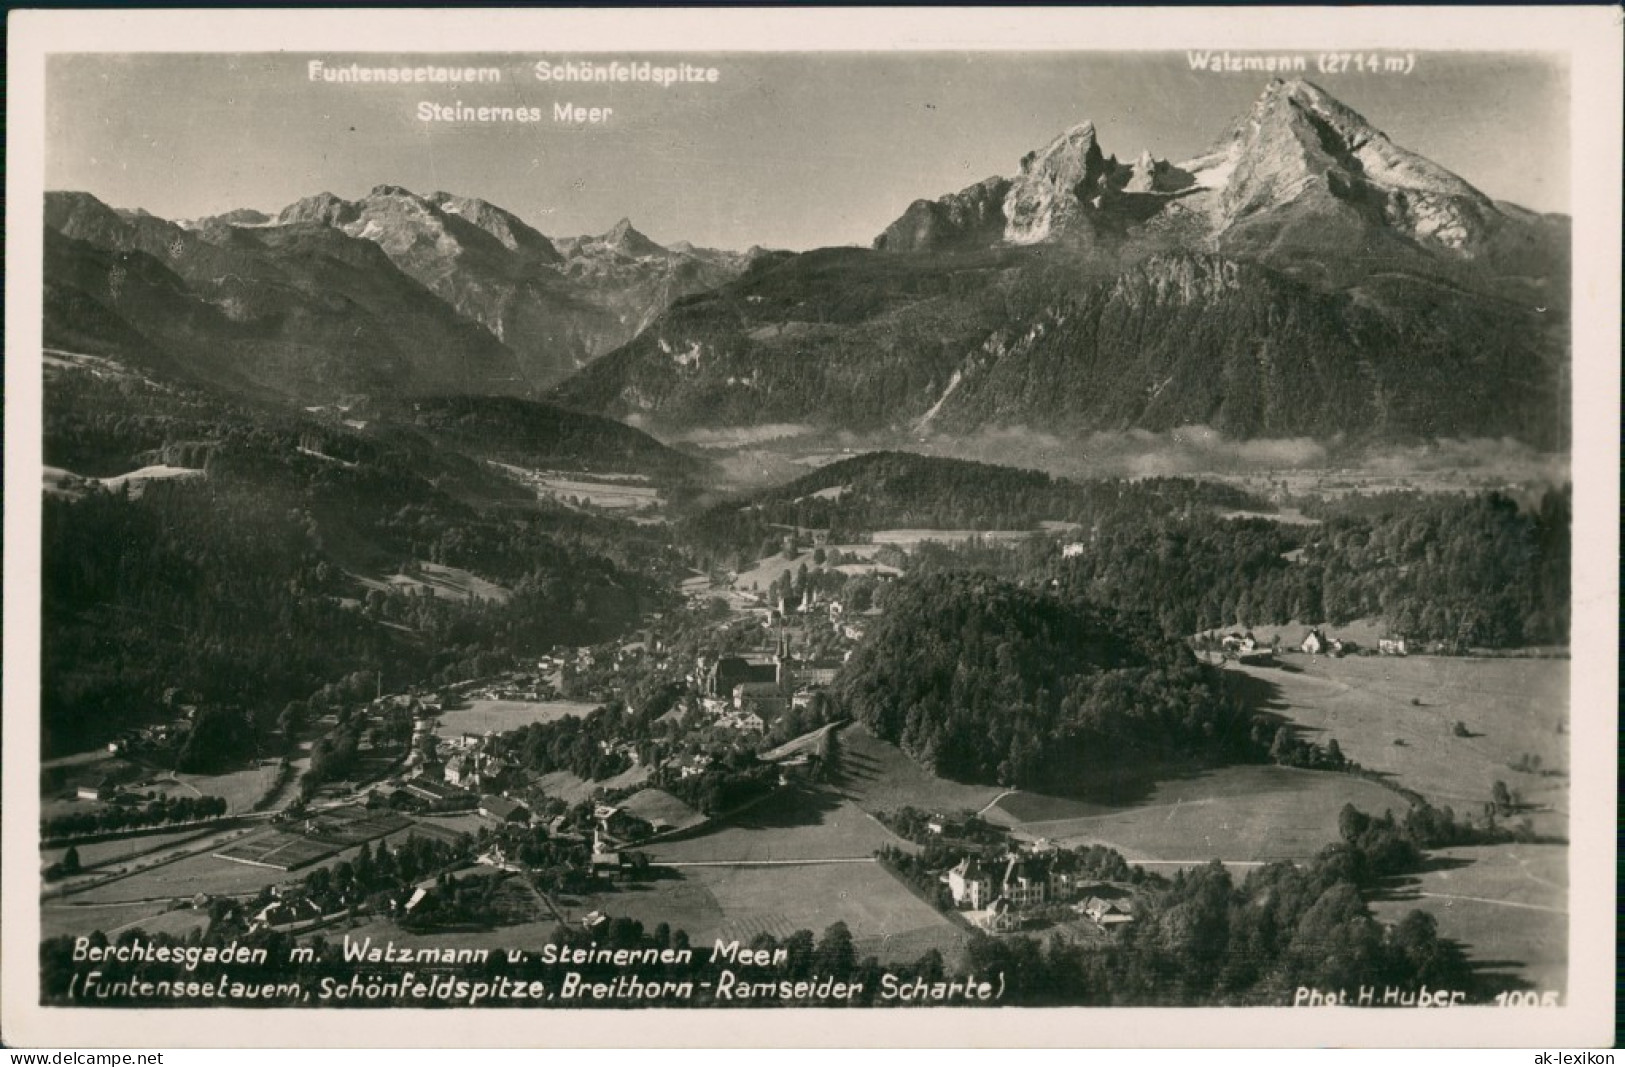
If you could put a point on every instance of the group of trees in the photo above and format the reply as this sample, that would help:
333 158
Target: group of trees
961 829
586 745
1289 750
727 783
156 810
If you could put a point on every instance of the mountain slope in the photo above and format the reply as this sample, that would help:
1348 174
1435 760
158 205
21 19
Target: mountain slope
532 434
557 305
1305 277
301 310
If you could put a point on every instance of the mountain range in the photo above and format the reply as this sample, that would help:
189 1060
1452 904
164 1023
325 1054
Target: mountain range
394 294
1305 276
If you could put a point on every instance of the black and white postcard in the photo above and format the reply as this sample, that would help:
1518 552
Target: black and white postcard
872 517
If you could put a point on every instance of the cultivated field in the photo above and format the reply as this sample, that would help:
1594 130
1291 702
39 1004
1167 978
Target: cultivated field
1511 707
886 920
1241 814
285 851
607 494
486 716
449 827
207 873
1508 905
793 824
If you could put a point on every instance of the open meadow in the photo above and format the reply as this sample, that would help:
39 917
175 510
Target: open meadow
499 716
797 823
764 572
1396 716
1507 905
1242 814
878 777
66 919
573 789
242 789
662 810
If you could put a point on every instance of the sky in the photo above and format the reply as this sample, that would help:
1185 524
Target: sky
784 150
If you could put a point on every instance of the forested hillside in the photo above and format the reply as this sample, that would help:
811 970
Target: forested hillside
244 585
852 498
982 680
532 434
1465 571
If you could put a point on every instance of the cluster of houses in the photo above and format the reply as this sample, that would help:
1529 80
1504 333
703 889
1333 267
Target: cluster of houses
1315 642
161 736
1247 649
1000 891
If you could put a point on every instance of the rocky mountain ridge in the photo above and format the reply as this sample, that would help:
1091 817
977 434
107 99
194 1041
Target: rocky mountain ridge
505 309
1298 158
1304 277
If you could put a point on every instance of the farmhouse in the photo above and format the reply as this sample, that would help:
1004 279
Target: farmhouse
285 912
1108 914
1392 646
610 865
96 789
503 809
1314 642
422 890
